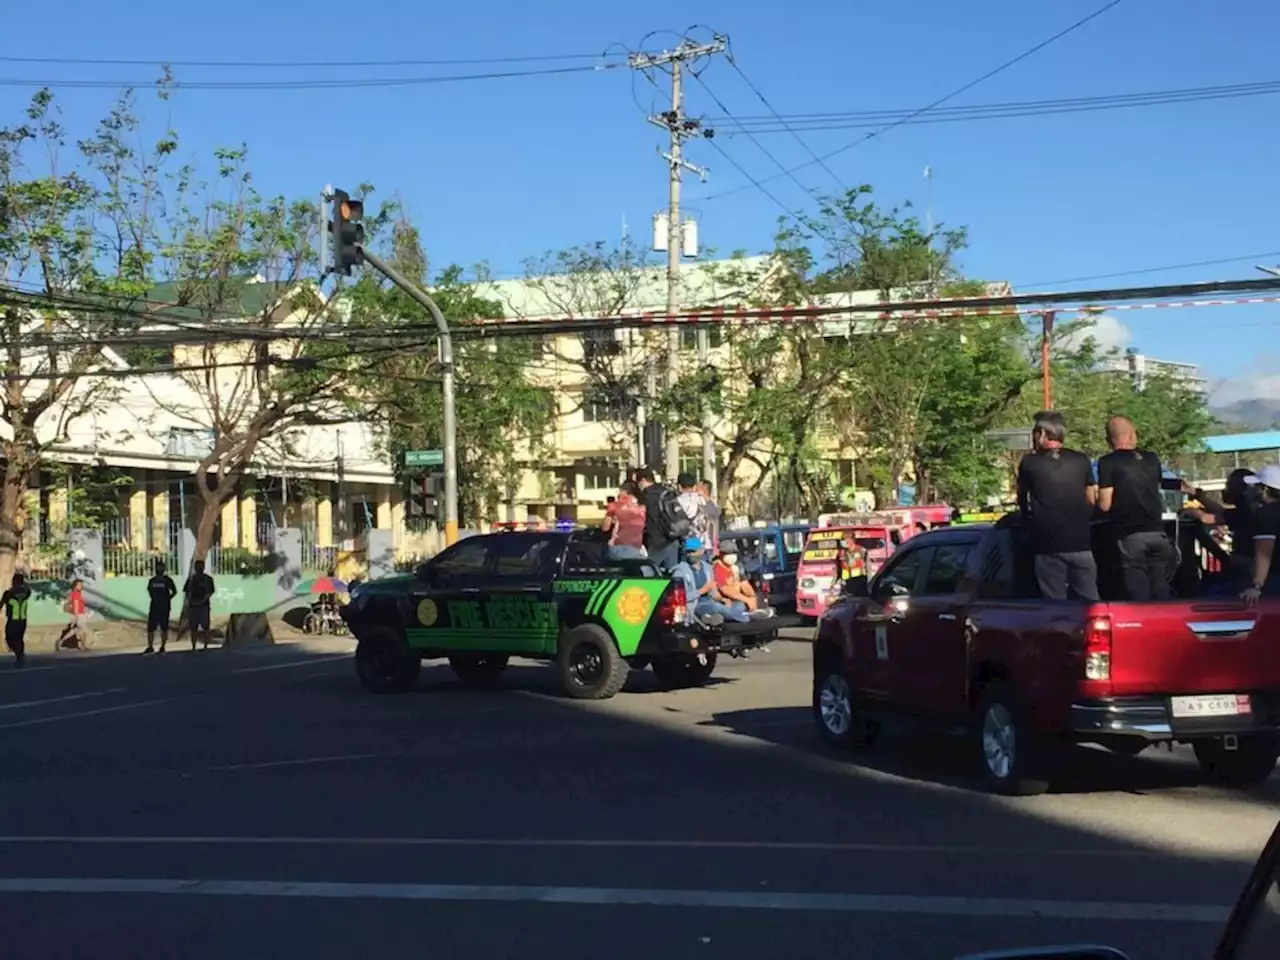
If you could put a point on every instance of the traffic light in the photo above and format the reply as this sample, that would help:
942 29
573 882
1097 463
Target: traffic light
347 232
423 501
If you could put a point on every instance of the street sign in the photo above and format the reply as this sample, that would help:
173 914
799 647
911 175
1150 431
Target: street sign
424 458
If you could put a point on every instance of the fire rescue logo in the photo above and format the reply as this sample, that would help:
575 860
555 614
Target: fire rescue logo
428 612
634 605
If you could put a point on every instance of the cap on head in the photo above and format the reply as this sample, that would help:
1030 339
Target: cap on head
693 545
1268 476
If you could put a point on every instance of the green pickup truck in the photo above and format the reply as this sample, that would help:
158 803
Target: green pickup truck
551 596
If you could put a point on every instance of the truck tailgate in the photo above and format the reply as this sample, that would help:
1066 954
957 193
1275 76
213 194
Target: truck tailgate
1204 646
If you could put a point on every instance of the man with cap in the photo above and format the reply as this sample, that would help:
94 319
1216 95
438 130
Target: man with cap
703 597
1266 574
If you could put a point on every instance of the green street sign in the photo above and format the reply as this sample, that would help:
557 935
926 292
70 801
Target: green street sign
424 458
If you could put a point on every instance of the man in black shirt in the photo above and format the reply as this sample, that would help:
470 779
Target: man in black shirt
1056 494
663 548
1265 581
1129 493
160 593
199 593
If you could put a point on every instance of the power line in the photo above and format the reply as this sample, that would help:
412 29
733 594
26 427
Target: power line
994 111
940 101
301 64
331 84
1164 269
733 62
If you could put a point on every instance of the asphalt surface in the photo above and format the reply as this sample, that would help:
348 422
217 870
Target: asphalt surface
261 804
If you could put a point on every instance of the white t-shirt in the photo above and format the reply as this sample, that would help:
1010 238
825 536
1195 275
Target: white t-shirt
695 508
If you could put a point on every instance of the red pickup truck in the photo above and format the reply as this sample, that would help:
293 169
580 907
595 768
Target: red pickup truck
951 631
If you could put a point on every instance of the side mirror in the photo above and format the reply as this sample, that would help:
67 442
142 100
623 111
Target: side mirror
888 590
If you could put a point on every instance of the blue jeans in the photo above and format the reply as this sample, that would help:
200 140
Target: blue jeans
618 551
735 610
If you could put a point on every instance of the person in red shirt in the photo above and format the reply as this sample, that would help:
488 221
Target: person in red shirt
624 522
76 633
728 582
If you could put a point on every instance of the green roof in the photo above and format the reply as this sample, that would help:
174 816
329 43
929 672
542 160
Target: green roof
234 298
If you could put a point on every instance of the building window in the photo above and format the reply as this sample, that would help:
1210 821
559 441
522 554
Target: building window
601 479
689 337
599 407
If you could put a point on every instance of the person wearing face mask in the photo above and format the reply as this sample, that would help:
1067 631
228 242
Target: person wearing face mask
704 598
733 587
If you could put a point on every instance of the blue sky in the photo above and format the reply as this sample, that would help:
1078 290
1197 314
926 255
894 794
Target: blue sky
500 170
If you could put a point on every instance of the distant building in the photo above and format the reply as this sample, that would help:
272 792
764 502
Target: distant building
1139 366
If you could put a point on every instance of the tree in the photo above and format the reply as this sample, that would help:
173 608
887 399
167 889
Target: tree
77 233
501 411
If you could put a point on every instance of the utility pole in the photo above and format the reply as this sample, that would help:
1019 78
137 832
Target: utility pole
679 128
347 234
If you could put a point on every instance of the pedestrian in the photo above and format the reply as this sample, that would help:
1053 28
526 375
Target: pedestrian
1129 484
665 523
1056 496
624 523
695 506
160 593
714 515
1265 581
198 594
14 600
75 634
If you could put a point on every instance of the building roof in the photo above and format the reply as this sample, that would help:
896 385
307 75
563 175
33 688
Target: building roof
237 297
1243 442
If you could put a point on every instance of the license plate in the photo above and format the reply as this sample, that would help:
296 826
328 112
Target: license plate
1217 705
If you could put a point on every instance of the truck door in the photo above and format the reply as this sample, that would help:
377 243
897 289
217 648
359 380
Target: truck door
444 602
518 604
931 669
879 630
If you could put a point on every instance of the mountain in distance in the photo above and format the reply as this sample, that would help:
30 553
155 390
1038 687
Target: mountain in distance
1258 413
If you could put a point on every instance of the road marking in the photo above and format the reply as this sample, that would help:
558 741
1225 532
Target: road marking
296 762
82 713
74 696
799 846
310 662
23 671
622 896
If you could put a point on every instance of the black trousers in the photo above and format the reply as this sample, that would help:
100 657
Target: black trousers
1147 561
15 637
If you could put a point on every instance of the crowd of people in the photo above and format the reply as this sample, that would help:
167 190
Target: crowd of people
1059 497
678 530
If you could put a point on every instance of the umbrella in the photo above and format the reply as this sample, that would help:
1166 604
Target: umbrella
328 585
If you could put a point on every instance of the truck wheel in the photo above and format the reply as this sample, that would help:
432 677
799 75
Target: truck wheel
685 671
589 664
1011 762
385 663
1251 762
836 713
478 669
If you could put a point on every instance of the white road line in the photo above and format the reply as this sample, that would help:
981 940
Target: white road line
296 762
74 696
622 896
799 846
23 671
82 713
331 658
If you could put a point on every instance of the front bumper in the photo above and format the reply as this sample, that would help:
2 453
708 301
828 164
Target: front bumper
1151 718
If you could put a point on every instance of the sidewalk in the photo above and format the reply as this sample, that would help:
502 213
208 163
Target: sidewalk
125 635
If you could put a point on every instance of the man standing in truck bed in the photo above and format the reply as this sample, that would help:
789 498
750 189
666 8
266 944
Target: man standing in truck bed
1129 493
1056 494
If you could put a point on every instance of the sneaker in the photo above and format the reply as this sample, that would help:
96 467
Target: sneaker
148 650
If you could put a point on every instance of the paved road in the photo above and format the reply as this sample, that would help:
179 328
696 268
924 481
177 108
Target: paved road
260 804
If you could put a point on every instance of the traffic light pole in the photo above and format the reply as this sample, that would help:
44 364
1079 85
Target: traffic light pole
446 361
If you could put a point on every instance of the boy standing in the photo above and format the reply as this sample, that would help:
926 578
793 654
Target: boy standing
14 600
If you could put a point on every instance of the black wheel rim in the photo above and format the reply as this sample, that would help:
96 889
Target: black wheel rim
586 665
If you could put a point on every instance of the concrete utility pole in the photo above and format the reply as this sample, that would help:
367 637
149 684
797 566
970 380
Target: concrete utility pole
679 128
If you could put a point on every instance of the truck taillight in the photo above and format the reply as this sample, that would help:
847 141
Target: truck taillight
674 606
1097 649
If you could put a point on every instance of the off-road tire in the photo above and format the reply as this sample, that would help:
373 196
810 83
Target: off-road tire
385 663
1011 760
589 665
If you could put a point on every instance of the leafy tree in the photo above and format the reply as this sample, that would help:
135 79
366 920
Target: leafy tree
502 412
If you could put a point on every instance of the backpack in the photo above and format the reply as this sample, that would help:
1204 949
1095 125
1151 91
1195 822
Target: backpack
673 522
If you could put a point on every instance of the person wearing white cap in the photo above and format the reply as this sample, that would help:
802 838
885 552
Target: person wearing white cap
1266 577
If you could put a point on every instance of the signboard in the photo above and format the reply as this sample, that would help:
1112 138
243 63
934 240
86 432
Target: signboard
424 458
